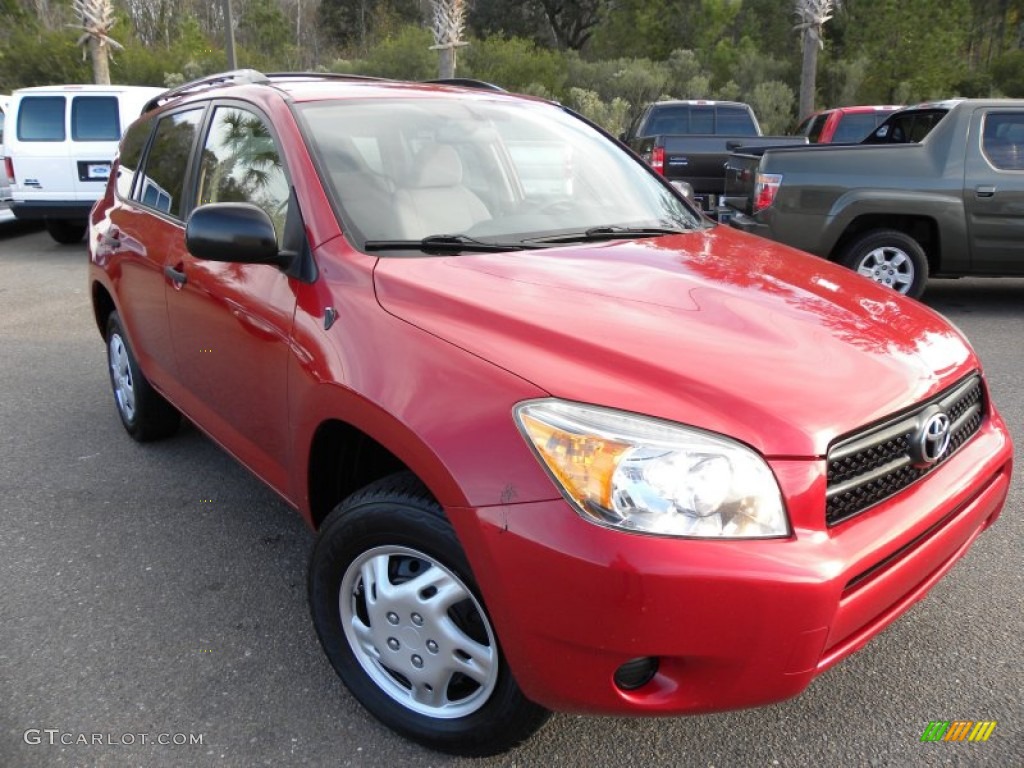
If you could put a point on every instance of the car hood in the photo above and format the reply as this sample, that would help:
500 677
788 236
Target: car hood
715 328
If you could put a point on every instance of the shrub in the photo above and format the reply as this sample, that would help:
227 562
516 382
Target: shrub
514 63
773 103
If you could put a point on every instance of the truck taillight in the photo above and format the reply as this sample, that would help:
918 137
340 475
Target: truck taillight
9 169
658 160
765 189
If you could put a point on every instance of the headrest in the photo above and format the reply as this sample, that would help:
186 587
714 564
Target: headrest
437 165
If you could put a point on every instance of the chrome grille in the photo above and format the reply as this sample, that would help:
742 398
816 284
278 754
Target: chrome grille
875 464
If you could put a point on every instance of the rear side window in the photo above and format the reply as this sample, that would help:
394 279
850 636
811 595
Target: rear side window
130 157
1003 140
164 180
41 118
95 118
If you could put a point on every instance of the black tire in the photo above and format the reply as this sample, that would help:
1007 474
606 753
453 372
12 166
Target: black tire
891 258
66 231
146 415
396 525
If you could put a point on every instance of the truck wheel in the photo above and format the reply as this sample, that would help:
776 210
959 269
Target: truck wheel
66 231
401 620
891 258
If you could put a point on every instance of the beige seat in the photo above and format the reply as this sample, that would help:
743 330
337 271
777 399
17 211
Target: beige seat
435 202
365 196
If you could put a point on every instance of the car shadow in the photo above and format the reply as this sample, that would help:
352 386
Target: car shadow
995 296
12 227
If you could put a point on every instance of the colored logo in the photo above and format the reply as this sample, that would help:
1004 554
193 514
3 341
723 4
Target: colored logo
958 730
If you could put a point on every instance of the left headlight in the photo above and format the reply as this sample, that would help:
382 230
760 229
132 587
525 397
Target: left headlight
650 476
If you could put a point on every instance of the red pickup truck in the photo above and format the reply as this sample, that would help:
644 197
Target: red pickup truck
844 125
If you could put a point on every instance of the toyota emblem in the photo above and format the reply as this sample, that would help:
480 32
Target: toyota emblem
932 439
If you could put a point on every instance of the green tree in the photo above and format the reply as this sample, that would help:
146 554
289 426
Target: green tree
772 102
910 59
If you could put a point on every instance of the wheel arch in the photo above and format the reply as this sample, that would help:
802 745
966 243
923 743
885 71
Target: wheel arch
343 459
102 306
924 229
345 456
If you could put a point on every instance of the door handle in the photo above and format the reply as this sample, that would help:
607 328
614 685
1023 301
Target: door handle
177 276
985 191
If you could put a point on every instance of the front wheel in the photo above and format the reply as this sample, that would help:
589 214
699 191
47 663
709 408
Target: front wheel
401 620
891 258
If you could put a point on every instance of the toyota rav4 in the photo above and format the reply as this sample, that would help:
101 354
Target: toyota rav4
567 444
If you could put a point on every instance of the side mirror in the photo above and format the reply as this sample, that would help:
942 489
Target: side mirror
235 232
683 188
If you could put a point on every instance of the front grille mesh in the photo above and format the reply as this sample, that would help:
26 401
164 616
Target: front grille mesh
875 464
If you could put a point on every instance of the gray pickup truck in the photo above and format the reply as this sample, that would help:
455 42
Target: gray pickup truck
936 189
690 141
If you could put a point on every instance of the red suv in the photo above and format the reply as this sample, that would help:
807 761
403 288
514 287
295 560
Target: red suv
566 444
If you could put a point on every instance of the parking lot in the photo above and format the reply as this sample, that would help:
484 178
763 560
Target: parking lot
155 596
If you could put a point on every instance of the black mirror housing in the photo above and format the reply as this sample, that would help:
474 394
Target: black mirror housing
233 232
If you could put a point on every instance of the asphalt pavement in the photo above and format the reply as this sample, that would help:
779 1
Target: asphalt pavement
153 611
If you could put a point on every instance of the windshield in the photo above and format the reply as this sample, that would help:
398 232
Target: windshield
499 172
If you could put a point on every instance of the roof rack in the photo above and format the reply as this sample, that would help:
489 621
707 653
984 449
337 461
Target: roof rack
466 82
323 76
252 76
238 76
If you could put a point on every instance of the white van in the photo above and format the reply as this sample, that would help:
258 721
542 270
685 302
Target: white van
5 185
59 141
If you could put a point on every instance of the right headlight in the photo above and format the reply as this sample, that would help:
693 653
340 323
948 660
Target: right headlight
650 476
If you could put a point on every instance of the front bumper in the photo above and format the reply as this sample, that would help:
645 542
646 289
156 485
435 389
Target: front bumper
733 624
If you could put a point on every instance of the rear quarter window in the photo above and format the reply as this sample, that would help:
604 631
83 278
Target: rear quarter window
41 118
131 156
95 118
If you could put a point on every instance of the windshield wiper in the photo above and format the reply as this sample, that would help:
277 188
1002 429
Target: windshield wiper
611 233
443 244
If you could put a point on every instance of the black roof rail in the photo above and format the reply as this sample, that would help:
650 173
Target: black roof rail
466 82
244 76
238 76
324 76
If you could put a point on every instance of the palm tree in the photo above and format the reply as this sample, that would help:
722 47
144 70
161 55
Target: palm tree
449 24
97 21
811 15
